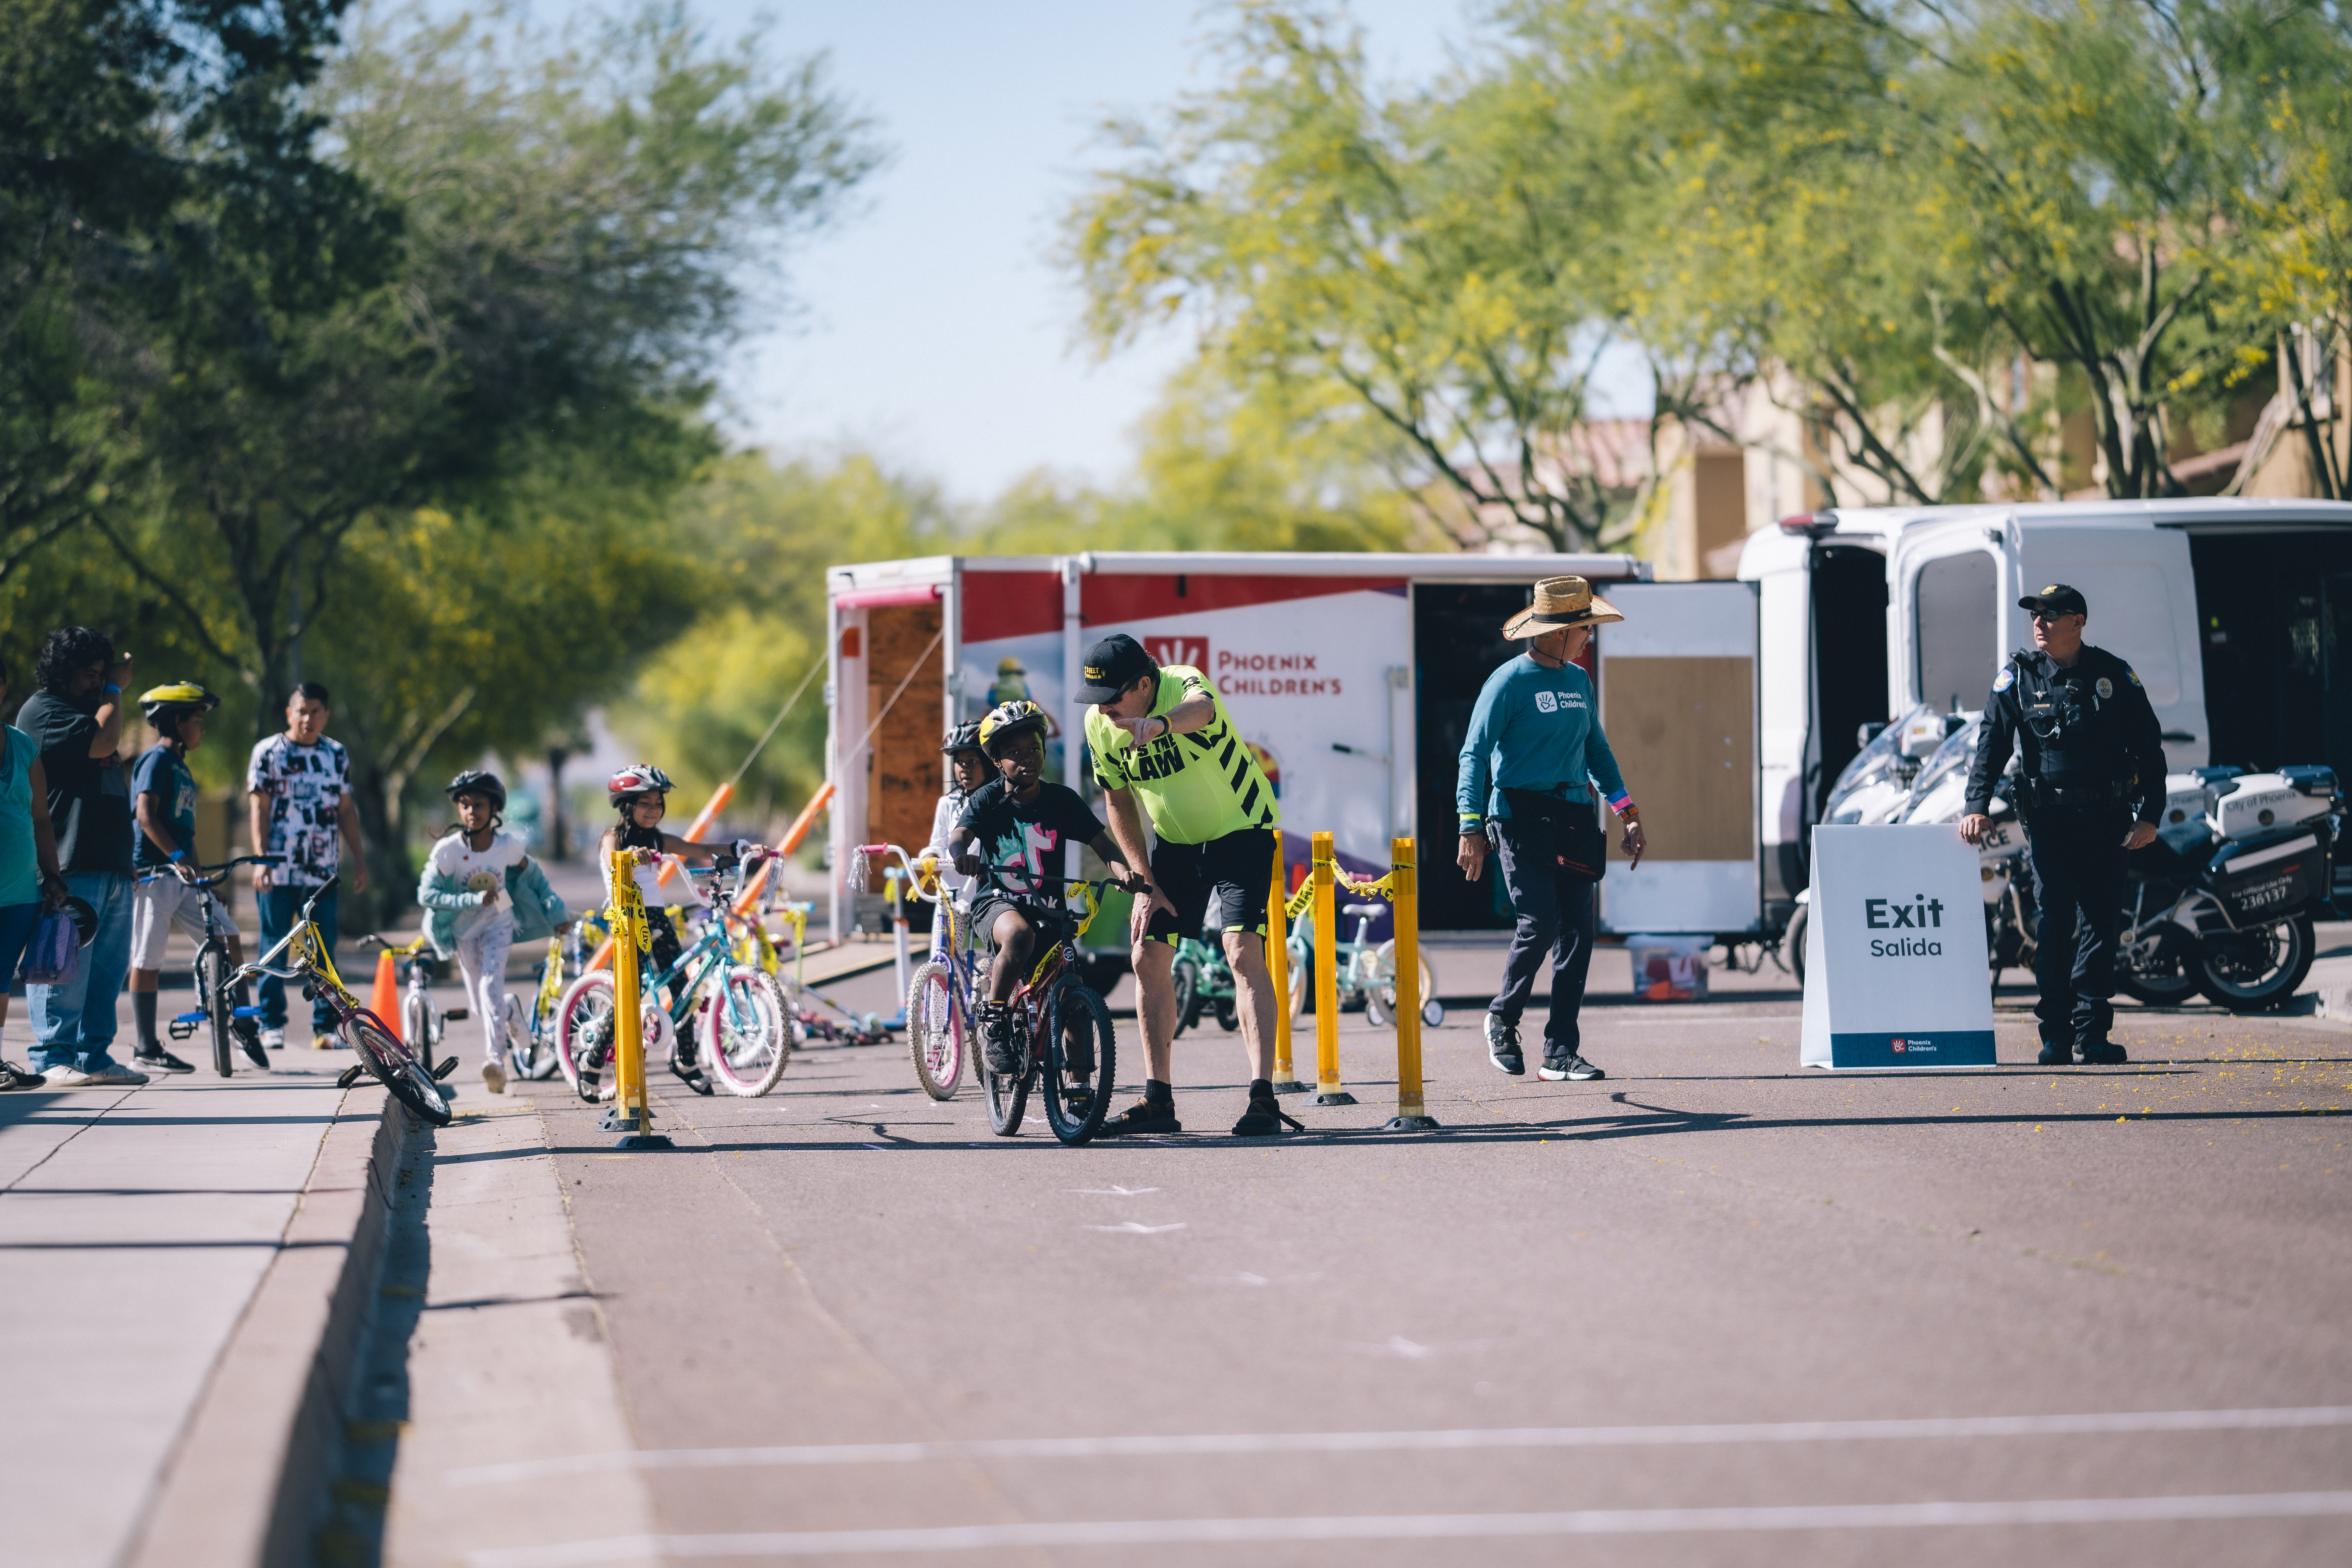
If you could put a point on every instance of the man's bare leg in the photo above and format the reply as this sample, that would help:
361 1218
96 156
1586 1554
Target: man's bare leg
1254 999
1155 991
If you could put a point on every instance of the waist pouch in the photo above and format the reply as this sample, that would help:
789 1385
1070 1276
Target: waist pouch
1566 833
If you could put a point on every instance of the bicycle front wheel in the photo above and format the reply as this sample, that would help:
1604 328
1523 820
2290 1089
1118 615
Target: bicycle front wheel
747 1032
212 997
1383 991
583 1030
1008 1094
396 1067
1078 1045
935 1028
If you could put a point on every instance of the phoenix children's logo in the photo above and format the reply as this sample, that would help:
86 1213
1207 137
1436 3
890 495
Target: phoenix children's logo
1190 651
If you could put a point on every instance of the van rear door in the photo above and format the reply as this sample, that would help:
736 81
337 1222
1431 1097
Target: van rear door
2142 594
1678 700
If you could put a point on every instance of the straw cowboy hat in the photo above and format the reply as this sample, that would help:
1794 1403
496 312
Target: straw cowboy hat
1560 601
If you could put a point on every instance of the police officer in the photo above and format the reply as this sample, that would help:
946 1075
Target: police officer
2093 763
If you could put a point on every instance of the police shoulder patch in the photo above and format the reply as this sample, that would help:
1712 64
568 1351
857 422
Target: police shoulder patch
2131 675
2005 679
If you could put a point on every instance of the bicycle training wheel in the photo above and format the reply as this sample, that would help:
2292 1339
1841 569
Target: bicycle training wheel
1008 1096
212 995
396 1067
1080 1038
935 1028
747 1033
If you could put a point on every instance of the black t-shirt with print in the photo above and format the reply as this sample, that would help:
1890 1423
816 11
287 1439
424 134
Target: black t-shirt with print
1027 842
90 798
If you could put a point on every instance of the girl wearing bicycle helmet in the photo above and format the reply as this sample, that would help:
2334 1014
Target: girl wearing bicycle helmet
968 769
480 890
640 793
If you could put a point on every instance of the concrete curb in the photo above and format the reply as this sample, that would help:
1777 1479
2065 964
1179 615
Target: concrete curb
244 1484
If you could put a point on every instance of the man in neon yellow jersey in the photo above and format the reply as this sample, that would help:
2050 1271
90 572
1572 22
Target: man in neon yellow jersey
1163 746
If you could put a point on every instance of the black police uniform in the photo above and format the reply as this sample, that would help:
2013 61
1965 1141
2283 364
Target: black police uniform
2094 759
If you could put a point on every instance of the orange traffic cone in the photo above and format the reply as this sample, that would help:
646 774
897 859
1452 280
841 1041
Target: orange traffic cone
384 1001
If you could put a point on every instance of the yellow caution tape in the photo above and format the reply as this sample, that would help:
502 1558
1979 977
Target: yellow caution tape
1383 888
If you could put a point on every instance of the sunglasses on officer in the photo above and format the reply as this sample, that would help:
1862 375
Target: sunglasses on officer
2050 617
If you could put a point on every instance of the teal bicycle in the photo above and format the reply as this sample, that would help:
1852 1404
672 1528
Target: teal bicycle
1204 983
1367 972
727 1019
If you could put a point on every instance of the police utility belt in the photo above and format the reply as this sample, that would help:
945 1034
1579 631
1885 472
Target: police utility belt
1565 834
2040 794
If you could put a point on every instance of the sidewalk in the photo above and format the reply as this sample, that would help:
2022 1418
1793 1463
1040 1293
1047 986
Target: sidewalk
135 1226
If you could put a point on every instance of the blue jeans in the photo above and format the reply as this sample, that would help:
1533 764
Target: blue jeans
280 909
73 1023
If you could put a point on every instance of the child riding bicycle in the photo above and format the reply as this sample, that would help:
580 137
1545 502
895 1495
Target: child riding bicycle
969 768
162 856
640 793
481 893
1025 825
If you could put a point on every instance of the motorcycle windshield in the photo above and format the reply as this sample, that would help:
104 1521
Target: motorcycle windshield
1872 763
1952 758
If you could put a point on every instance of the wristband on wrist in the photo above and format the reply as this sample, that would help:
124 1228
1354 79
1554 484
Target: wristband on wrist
178 856
110 690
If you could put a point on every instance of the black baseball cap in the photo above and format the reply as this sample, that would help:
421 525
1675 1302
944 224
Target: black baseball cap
2057 599
1112 666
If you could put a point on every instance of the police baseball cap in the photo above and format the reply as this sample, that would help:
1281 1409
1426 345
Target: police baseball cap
1112 666
2057 600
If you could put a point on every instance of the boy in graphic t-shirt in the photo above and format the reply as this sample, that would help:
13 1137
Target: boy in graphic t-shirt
1024 826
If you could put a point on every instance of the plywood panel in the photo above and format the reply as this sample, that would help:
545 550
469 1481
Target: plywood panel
1685 734
904 769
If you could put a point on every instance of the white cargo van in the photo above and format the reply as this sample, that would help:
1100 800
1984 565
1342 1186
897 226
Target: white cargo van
2237 615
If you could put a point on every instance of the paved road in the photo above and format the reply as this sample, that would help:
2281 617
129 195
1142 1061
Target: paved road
1706 1238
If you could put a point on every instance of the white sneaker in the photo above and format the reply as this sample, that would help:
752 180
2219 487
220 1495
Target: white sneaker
66 1077
113 1074
494 1076
273 1040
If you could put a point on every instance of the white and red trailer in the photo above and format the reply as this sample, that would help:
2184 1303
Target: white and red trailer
1353 675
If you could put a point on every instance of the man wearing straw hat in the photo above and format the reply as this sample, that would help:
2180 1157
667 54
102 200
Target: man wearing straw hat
1534 754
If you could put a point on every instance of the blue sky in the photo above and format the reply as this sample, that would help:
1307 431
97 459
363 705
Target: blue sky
933 325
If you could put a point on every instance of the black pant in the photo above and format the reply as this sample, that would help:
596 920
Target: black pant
2078 884
1555 916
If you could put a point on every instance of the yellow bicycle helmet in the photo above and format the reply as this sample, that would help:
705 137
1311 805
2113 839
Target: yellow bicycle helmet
1010 719
180 697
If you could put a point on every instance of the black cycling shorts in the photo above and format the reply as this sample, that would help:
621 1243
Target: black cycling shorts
1224 885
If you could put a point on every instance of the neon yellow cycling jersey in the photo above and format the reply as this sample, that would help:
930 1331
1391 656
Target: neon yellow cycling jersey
1194 787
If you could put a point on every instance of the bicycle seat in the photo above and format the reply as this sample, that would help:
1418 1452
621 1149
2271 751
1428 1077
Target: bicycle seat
1364 910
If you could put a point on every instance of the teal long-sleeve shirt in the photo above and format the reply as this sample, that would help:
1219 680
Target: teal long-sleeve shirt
1534 729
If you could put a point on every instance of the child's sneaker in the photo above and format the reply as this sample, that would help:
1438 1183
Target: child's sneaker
494 1076
1005 1056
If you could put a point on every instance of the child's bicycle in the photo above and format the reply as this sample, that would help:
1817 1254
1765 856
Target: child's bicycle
531 1035
1064 1026
746 1027
422 1024
944 991
1204 983
1367 974
396 1065
232 1026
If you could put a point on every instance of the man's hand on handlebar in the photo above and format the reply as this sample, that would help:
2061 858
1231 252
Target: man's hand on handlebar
1127 881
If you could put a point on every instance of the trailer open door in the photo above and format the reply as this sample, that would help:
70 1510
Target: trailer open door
1678 698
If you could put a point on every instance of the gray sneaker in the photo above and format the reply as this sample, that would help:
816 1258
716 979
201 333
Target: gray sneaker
112 1075
1503 1046
1575 1070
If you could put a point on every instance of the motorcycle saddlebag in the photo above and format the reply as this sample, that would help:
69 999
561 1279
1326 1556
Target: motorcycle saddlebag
2276 875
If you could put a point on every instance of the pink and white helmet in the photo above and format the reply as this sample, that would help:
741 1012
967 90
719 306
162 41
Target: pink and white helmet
636 779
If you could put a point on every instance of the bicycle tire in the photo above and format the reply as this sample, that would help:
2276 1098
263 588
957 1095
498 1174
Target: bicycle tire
584 1023
1076 1003
410 1080
935 1031
212 995
1186 975
1384 984
1007 1099
1301 976
751 1067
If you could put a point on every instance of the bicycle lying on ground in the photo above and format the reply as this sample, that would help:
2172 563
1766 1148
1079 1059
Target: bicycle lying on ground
745 1026
1063 1024
231 1025
395 1065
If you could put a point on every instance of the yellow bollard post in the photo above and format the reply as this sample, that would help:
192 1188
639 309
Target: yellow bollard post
1404 901
630 939
1328 1088
1277 969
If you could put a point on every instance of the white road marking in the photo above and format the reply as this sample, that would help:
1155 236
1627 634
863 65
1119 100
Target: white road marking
1246 1278
1945 1427
1130 1227
1428 1527
1113 1192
